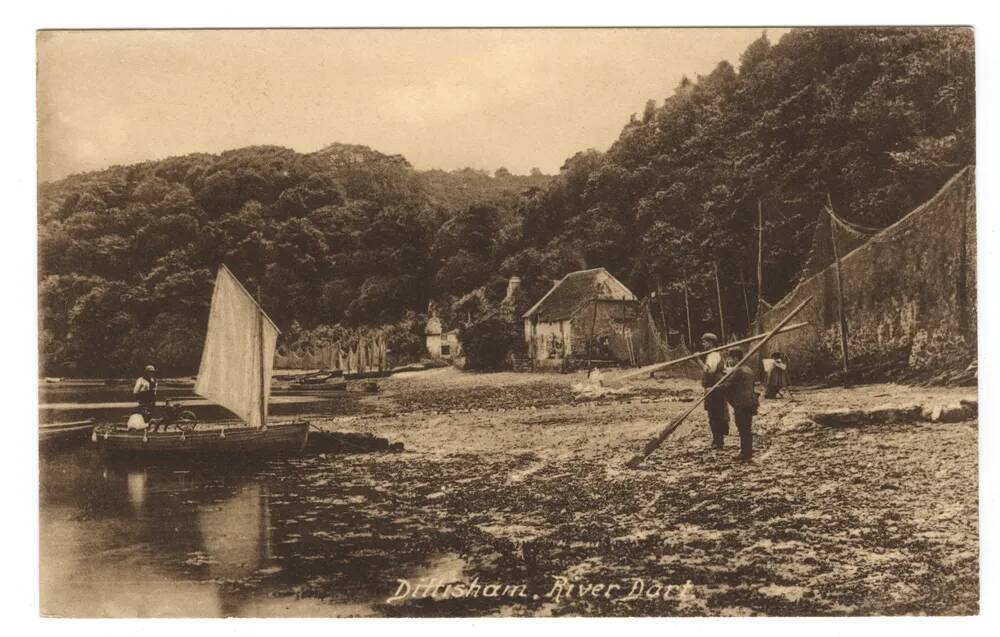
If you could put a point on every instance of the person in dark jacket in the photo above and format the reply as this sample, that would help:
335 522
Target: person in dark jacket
712 369
739 392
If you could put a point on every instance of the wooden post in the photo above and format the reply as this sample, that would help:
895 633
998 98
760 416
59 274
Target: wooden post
590 339
746 300
663 315
718 294
687 311
840 290
760 255
623 320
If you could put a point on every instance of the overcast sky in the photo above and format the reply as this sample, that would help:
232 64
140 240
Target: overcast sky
442 98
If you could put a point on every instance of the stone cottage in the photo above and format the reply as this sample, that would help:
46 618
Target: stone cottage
587 307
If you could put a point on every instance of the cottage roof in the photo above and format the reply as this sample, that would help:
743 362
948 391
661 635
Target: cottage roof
577 288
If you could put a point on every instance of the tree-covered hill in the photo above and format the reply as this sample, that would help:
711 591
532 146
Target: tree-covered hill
874 119
343 235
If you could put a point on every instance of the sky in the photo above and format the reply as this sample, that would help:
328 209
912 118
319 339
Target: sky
443 98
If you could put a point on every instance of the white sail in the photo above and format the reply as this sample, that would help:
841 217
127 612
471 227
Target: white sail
236 362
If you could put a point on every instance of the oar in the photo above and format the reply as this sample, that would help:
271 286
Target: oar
655 442
658 366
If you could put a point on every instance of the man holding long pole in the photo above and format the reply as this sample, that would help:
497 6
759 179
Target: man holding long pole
654 443
712 369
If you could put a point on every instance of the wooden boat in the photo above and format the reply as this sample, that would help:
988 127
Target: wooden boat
297 376
63 434
368 375
320 379
297 389
275 440
235 372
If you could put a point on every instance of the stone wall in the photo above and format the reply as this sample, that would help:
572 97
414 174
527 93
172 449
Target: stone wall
547 339
607 321
909 298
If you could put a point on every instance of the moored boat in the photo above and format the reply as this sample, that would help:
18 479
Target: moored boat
235 372
63 434
275 440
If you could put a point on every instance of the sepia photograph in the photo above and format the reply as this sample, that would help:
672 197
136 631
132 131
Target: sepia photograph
507 322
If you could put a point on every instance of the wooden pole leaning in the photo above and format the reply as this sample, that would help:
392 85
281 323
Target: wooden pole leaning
655 367
654 443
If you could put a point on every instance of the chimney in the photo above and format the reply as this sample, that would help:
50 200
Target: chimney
513 285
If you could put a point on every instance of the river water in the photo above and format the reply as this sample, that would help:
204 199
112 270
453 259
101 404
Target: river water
312 536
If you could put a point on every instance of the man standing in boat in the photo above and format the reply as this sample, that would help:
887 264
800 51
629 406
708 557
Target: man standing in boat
145 391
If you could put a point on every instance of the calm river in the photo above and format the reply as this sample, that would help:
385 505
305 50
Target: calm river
311 536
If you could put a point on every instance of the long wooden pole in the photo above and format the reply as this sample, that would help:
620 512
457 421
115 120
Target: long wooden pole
746 302
655 442
663 315
760 255
658 366
590 339
718 295
840 291
687 311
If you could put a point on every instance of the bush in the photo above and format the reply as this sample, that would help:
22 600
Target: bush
488 342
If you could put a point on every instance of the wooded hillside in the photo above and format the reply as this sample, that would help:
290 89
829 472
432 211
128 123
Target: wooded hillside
876 119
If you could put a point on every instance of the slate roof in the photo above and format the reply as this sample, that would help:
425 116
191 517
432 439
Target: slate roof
575 289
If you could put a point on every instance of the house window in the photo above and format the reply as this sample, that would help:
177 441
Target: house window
445 350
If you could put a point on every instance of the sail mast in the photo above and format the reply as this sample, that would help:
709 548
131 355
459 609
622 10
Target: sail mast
235 370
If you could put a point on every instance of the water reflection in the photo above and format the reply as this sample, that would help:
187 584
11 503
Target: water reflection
309 536
136 541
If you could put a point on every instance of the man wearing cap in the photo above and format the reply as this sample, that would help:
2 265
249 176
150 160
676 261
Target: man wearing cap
145 391
712 370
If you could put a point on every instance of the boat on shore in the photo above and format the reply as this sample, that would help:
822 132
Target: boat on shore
61 435
368 375
235 372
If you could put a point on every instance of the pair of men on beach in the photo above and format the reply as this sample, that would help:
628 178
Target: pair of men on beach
737 391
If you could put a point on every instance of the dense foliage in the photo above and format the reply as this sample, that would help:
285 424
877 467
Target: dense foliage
346 235
874 119
487 342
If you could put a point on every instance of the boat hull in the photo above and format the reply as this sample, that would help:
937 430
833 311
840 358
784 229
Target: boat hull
278 440
63 435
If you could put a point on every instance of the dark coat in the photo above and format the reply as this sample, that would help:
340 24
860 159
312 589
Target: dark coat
739 387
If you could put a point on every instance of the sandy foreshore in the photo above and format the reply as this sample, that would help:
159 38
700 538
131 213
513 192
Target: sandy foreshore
528 487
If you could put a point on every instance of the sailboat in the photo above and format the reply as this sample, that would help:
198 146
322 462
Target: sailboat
235 372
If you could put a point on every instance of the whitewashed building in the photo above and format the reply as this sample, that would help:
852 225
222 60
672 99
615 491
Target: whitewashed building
441 344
